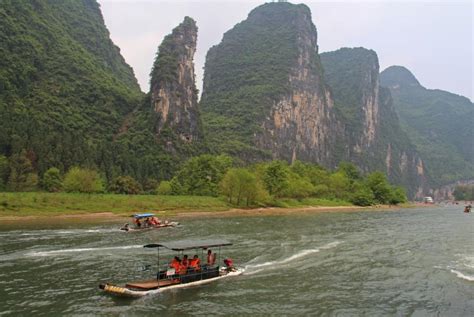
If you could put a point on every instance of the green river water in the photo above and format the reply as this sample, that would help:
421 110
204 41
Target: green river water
406 262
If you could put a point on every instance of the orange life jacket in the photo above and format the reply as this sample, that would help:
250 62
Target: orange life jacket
182 269
175 265
195 263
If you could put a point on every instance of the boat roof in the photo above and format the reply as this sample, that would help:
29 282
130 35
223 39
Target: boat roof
189 244
138 216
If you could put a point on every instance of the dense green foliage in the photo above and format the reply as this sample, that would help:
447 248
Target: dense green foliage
64 87
439 123
22 175
464 192
68 98
201 175
125 185
241 186
246 73
82 180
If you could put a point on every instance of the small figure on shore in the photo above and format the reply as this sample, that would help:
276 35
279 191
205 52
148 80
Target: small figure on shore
467 208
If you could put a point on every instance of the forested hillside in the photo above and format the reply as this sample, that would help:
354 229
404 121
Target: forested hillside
64 87
439 123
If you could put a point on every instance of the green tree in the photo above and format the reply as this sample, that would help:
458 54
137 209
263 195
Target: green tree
201 175
363 196
339 185
350 170
150 186
378 184
164 188
22 175
298 187
125 185
275 177
240 185
52 181
397 195
83 180
464 192
4 171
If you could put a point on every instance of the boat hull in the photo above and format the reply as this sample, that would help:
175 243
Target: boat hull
170 224
134 293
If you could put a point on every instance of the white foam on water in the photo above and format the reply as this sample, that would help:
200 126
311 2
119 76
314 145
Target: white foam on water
295 256
463 276
53 252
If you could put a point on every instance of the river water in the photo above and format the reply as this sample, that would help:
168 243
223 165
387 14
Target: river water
417 262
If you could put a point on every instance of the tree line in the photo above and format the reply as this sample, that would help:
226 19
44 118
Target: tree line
259 184
464 192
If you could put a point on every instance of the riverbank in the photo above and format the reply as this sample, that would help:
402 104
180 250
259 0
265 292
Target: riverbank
116 207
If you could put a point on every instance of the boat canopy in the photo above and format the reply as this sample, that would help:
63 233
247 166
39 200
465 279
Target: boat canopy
189 244
138 216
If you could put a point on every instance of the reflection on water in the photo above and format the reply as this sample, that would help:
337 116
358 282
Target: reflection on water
405 262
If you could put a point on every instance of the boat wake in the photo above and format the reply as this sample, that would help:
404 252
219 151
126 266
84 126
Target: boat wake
54 252
251 269
463 276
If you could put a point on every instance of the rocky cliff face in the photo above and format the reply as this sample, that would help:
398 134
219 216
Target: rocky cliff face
371 130
299 123
173 90
263 88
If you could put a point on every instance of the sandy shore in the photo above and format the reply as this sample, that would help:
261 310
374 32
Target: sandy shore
109 216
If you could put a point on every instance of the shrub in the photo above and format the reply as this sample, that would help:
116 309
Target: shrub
83 181
125 185
164 188
363 197
52 181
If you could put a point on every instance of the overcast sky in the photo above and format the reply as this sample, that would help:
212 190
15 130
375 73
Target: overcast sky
434 39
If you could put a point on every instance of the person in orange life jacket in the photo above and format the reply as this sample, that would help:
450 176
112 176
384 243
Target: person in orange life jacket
211 258
175 264
183 267
195 263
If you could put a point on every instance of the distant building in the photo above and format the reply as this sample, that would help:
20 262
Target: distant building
428 200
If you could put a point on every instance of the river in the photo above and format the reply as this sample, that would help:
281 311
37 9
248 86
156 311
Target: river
417 262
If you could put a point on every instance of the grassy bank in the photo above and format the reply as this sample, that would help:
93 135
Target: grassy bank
53 204
44 204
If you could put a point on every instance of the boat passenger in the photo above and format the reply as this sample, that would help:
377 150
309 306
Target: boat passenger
211 258
155 221
175 263
147 222
183 267
138 223
229 265
195 263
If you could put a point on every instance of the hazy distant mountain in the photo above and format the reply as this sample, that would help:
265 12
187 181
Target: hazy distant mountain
439 123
